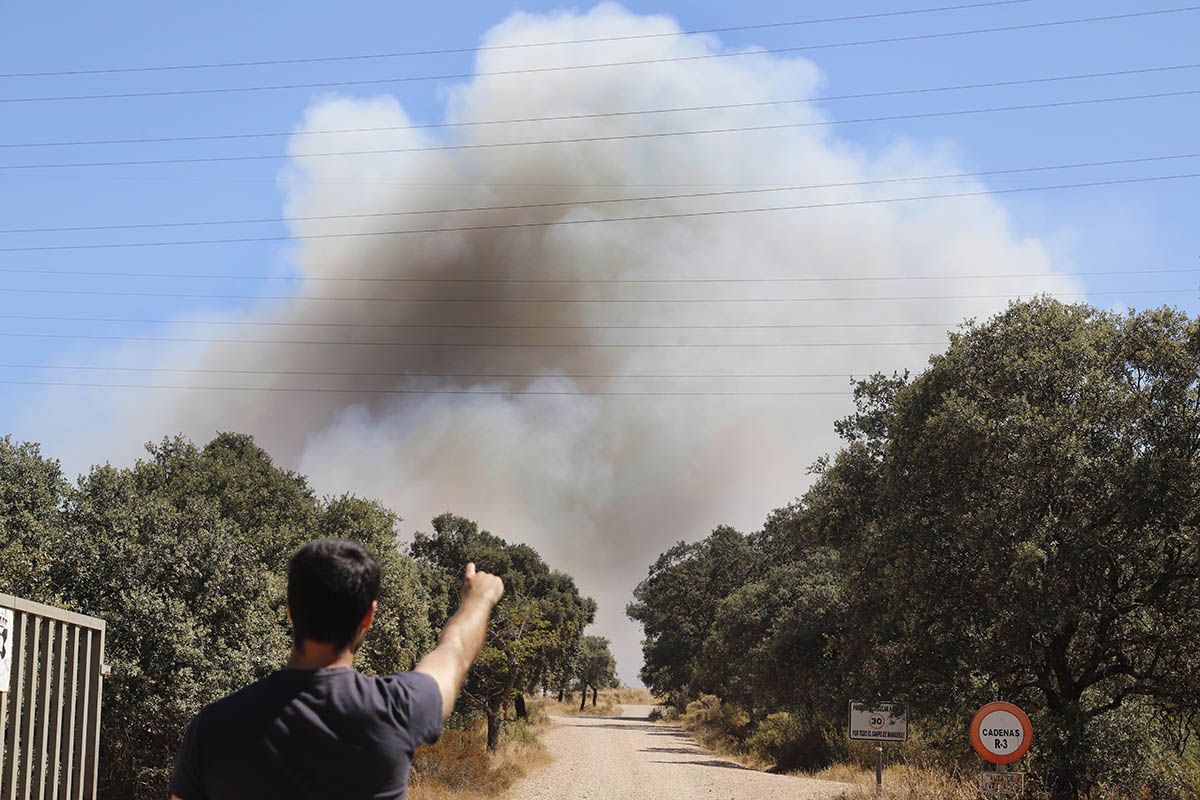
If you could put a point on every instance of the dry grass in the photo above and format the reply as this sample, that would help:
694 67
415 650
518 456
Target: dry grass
606 707
608 704
845 773
902 782
631 696
458 767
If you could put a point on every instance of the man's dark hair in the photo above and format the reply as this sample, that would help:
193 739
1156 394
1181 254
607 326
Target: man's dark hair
331 584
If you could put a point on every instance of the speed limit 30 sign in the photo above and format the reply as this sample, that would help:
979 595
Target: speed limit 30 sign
878 722
1001 733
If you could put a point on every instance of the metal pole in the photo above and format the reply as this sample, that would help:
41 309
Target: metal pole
879 771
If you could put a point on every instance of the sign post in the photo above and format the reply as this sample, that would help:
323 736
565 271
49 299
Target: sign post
878 722
878 770
1001 733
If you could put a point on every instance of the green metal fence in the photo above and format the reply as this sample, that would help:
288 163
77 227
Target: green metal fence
50 713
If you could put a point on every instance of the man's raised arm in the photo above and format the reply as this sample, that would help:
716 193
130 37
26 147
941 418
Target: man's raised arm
463 636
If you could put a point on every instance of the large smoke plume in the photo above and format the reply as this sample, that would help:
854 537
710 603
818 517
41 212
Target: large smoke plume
599 484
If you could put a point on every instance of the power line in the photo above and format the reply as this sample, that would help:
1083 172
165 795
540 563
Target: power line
578 300
639 218
407 374
608 138
559 204
457 50
476 326
639 62
591 281
611 200
606 114
475 345
475 392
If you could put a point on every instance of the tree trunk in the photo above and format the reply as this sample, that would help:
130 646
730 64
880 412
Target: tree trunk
493 725
519 704
1069 778
1065 741
593 697
583 698
560 694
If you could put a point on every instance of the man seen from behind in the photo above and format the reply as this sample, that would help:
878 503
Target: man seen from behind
318 728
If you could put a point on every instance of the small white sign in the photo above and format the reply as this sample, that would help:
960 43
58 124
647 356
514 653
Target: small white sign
1002 784
878 722
6 648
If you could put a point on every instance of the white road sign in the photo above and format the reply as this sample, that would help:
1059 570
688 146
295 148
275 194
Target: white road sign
878 722
1001 733
6 648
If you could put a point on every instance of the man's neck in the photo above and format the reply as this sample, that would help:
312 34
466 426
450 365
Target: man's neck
318 655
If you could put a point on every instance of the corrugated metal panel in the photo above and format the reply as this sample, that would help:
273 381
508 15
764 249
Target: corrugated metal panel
50 713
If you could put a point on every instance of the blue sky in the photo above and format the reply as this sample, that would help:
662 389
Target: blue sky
1142 226
1127 227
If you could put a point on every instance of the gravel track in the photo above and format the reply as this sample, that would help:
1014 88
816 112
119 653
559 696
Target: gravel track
631 758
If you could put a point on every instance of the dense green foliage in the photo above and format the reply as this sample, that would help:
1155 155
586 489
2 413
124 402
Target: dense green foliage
537 628
184 555
32 492
1019 521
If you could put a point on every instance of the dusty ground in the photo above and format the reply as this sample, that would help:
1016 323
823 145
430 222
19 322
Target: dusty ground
630 758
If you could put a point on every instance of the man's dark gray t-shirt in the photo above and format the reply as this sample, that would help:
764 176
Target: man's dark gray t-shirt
310 734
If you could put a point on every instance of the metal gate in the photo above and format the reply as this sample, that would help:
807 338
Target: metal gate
50 713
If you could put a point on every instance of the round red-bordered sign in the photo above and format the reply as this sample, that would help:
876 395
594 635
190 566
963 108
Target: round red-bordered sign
1001 733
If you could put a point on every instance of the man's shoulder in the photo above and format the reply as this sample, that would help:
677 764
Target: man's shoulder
402 678
342 688
342 683
407 684
415 701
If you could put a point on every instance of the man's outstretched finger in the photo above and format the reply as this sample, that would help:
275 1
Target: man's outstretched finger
470 570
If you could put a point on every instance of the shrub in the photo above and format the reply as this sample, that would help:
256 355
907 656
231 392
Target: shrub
789 742
709 711
717 726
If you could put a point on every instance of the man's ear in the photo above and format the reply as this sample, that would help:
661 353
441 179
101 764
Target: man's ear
369 617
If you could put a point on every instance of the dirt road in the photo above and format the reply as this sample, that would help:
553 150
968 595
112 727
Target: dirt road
630 758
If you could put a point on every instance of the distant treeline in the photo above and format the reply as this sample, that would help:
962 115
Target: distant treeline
1020 521
185 556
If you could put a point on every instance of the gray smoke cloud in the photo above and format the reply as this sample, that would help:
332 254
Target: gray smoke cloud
599 484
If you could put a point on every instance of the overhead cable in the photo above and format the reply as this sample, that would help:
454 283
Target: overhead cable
576 300
610 64
468 392
608 114
589 281
610 200
638 218
520 45
608 138
476 345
